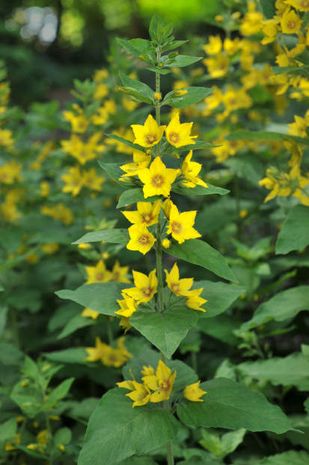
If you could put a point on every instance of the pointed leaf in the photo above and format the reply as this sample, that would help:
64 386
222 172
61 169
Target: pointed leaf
165 330
294 232
220 296
112 236
201 253
200 190
116 431
101 297
232 405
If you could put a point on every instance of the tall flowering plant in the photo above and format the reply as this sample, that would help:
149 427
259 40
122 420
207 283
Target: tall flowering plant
160 397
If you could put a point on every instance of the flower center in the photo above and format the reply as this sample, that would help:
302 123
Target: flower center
99 276
147 291
144 239
305 3
165 385
150 138
157 180
291 24
176 227
174 137
147 218
175 287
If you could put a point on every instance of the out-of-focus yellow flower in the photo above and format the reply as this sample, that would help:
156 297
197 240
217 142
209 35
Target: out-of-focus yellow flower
44 189
73 181
119 273
300 125
89 313
194 392
50 249
217 66
78 121
97 273
92 181
10 172
59 212
252 21
300 5
109 356
100 91
270 30
290 22
6 138
83 151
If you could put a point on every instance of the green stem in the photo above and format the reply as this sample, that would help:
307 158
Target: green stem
159 267
158 88
169 454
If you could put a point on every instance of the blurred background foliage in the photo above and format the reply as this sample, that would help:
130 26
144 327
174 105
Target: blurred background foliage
48 43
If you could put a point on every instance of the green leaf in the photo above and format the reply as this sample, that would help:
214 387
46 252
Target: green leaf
137 47
221 327
232 405
116 431
268 8
73 355
132 196
113 170
139 90
101 297
160 30
292 370
77 322
220 296
180 61
8 430
284 305
294 232
266 136
193 95
165 330
58 393
224 445
200 190
112 236
201 253
286 458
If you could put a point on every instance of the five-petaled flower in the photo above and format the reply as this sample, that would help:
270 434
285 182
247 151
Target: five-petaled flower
179 134
180 225
157 179
149 133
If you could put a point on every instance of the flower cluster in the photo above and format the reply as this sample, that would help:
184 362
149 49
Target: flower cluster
157 386
108 355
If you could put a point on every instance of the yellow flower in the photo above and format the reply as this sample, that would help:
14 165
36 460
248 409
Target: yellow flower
161 383
145 286
194 301
214 45
77 120
217 66
73 181
83 151
270 30
166 243
89 313
140 394
147 213
181 287
50 248
140 160
193 392
92 180
157 179
175 284
100 92
300 5
179 134
180 225
96 353
127 306
44 189
6 138
10 172
299 127
148 134
190 171
119 273
97 273
140 238
59 212
251 23
109 356
290 22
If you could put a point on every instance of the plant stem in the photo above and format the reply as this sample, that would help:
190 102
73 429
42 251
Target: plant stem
159 267
169 454
158 88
